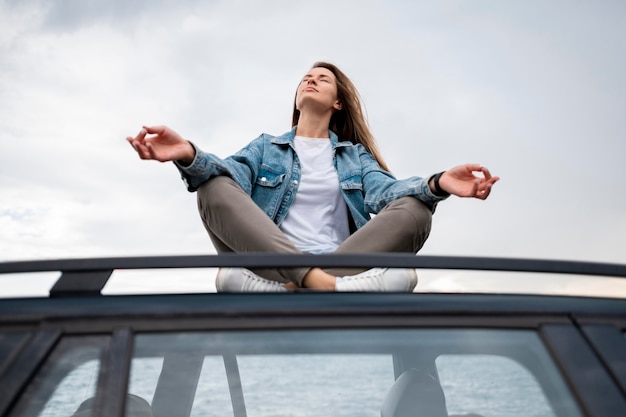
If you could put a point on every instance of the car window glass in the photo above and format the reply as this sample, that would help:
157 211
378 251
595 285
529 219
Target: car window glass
349 372
490 385
266 380
265 388
314 385
144 375
212 397
67 379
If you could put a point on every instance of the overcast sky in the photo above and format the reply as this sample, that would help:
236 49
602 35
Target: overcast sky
534 90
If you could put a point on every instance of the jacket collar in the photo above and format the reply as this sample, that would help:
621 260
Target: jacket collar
287 139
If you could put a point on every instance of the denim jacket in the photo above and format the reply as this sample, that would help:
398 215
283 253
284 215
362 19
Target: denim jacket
268 170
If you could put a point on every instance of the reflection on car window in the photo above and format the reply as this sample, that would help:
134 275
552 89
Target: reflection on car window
316 385
349 373
68 378
144 375
78 386
491 385
212 394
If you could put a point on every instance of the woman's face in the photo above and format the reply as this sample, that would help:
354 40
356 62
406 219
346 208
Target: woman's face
318 91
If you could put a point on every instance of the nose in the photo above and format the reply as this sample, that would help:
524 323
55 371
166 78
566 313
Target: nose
311 81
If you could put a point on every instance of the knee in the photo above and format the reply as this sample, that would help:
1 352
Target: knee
413 212
212 195
414 220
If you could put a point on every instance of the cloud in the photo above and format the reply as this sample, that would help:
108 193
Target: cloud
532 90
520 283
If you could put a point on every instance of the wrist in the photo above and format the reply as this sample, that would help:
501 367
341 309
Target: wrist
435 187
187 159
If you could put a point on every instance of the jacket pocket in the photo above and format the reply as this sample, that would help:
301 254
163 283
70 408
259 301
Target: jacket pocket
352 188
267 192
270 179
352 184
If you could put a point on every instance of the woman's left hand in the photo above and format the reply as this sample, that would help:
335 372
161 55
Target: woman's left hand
462 181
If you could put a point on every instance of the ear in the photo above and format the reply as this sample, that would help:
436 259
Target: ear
338 105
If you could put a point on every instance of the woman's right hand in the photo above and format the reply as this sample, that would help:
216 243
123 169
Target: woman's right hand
161 143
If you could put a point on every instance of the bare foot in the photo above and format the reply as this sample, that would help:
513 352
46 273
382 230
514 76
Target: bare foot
291 286
316 279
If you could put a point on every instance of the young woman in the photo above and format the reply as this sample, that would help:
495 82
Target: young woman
312 190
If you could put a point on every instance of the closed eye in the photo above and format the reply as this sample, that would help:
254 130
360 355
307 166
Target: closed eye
321 78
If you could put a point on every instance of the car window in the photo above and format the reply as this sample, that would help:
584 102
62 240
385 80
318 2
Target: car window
144 375
67 379
490 385
264 378
265 387
348 373
314 385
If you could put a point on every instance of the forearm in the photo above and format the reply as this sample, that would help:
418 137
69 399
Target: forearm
381 194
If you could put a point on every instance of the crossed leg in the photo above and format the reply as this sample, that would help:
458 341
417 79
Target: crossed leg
236 224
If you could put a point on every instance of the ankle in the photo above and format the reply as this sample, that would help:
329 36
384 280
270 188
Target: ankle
316 279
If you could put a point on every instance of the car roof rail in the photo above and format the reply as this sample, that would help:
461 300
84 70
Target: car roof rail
88 276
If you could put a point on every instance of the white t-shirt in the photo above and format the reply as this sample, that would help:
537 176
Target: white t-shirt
317 221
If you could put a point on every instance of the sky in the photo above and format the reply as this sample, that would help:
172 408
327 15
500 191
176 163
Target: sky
533 90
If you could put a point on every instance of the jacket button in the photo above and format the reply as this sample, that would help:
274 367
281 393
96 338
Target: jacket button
295 182
263 179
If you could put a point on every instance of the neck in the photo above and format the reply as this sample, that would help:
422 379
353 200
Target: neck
313 126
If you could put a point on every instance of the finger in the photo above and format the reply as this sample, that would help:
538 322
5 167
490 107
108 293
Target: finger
151 151
493 180
481 189
154 129
131 140
485 193
475 187
138 147
141 135
154 155
486 172
480 192
141 149
143 152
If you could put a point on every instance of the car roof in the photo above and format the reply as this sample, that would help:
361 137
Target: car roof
77 292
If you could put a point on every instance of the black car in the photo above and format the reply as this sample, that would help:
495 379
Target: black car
79 353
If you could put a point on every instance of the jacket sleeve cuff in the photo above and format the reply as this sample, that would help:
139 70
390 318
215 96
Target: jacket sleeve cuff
430 198
190 173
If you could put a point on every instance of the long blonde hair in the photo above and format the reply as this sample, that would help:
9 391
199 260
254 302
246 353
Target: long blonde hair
349 123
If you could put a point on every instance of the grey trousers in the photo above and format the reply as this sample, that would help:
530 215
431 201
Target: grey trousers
236 224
